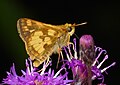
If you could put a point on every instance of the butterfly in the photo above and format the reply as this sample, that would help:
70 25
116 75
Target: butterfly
42 40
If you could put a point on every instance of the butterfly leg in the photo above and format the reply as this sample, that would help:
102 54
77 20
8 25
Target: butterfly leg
59 51
62 56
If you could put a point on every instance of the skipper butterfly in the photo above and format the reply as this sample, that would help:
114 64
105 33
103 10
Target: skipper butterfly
41 39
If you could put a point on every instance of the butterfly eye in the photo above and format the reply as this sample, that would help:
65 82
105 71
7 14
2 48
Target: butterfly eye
69 29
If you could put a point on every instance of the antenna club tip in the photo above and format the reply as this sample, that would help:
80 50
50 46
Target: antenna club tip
84 23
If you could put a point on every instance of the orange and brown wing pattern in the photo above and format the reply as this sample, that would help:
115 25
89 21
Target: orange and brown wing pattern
40 39
27 26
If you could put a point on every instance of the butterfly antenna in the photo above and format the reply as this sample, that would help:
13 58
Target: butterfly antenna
80 24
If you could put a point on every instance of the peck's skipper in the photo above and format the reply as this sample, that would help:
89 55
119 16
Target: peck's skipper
41 40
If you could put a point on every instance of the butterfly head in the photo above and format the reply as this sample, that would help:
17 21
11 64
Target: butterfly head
71 27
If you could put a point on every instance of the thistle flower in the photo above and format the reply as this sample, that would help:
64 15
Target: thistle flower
32 77
86 67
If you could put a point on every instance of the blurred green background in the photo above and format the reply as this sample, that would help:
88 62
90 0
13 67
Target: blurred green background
103 24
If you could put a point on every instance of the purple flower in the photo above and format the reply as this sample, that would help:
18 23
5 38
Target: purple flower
86 66
32 77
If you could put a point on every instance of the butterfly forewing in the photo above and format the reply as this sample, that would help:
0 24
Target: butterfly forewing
41 39
27 26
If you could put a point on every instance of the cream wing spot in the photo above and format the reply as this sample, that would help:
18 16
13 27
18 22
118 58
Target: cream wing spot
46 39
35 37
36 63
41 49
38 33
37 47
32 30
25 27
51 32
32 42
29 23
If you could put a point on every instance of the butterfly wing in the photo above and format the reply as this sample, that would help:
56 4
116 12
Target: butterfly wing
41 39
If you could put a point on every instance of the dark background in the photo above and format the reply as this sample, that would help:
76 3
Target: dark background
103 24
